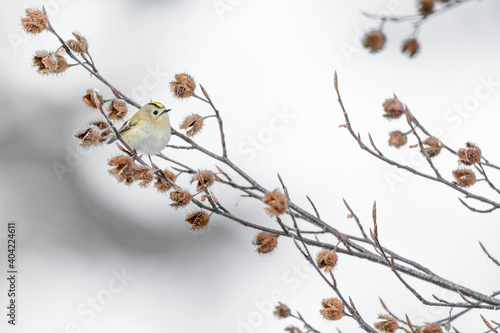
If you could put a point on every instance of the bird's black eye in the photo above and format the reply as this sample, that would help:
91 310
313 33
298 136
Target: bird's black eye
155 112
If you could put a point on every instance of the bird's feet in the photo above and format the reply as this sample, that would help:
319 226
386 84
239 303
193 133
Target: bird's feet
132 154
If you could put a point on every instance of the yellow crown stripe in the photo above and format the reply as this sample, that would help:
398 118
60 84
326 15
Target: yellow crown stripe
157 104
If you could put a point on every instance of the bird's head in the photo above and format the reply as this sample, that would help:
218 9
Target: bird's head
154 111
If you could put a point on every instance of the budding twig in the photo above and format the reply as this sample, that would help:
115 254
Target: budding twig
418 17
489 255
306 324
355 246
219 120
84 65
495 205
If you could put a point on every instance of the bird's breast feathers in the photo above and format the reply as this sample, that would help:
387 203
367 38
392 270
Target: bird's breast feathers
153 142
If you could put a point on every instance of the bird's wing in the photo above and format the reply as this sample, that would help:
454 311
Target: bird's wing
129 124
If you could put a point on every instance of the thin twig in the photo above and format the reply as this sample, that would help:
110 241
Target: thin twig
489 255
219 120
306 324
418 17
495 205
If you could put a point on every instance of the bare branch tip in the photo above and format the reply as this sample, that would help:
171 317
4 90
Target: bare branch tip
352 304
487 323
347 205
409 322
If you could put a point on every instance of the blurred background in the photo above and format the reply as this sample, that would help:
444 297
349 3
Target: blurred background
98 256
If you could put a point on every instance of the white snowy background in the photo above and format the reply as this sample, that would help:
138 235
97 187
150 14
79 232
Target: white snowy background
79 229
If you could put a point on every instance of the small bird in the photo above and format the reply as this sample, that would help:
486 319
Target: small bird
148 131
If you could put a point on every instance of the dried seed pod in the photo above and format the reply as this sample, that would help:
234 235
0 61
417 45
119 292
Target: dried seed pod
431 328
162 185
92 98
183 86
388 325
393 108
198 219
426 6
90 136
143 174
117 109
333 309
205 177
193 124
34 22
282 311
102 126
374 41
292 329
49 62
79 45
38 57
434 146
180 198
124 167
464 177
397 139
470 155
410 47
265 242
327 259
277 203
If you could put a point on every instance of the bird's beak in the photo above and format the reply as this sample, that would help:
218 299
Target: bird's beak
165 111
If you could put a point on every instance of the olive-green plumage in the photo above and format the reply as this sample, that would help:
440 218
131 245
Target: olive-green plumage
148 131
